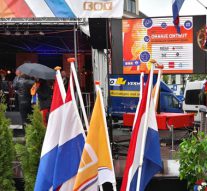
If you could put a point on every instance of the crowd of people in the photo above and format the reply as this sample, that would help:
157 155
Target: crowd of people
27 91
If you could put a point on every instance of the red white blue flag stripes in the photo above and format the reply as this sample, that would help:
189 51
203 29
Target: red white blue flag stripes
152 162
61 8
63 143
176 6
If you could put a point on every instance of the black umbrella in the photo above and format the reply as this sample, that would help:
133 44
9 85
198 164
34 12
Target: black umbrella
37 71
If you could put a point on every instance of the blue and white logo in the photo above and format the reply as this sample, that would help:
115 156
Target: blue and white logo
144 56
164 25
188 24
146 39
147 22
137 62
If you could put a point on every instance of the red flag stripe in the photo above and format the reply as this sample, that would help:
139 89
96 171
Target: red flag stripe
19 8
69 94
57 100
132 145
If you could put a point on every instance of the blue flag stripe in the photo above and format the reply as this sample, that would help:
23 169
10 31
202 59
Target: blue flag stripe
45 172
176 6
152 147
60 8
152 162
68 160
175 11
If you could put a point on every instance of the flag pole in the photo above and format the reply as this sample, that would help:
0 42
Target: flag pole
143 70
145 125
60 80
156 96
72 60
98 90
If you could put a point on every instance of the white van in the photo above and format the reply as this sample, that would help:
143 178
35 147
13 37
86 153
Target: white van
192 102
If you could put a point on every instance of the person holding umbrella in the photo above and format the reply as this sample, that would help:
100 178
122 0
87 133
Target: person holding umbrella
37 71
42 74
14 85
22 87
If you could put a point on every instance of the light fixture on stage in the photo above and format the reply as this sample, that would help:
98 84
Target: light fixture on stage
7 32
41 33
17 33
26 32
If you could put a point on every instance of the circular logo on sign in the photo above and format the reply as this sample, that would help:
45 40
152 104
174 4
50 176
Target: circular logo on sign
188 24
146 38
147 22
144 56
111 81
164 25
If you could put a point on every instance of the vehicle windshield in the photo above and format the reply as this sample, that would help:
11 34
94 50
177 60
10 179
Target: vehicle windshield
192 97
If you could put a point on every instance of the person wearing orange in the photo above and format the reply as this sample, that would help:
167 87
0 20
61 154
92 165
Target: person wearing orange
44 93
33 92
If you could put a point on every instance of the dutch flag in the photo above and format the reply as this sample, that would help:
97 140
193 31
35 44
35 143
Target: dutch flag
44 180
63 143
71 143
152 162
176 6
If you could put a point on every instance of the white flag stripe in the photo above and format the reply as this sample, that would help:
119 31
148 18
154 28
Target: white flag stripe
71 119
133 168
70 145
152 123
105 175
39 8
61 85
68 185
54 121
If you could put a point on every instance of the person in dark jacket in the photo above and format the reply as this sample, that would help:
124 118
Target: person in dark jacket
44 93
14 86
22 87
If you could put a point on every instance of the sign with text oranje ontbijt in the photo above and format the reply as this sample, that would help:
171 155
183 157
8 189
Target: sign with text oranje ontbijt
158 39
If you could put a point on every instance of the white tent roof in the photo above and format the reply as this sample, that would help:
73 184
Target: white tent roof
154 8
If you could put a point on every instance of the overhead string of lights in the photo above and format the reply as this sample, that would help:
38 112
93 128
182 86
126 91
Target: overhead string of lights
27 32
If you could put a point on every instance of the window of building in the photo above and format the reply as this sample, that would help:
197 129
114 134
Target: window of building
130 6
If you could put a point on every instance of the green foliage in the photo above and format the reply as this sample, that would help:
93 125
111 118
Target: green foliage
194 77
193 158
165 78
29 154
6 152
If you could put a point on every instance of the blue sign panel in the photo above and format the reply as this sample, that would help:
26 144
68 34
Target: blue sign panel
124 92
